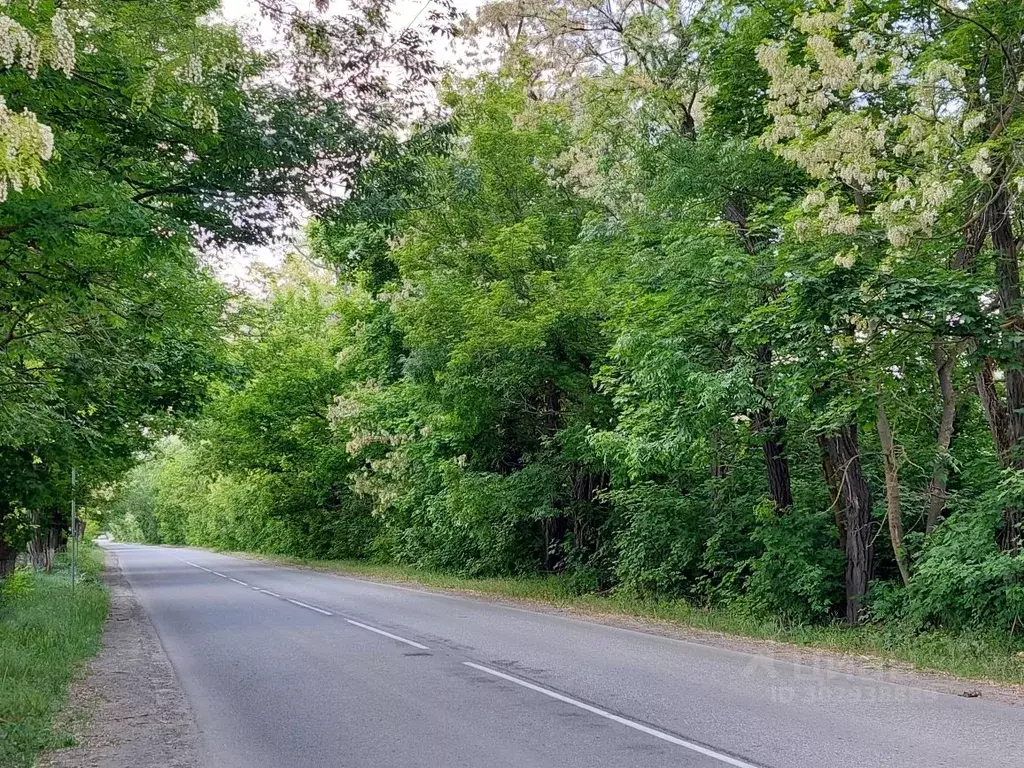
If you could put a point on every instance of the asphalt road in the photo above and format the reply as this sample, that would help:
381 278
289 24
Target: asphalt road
290 668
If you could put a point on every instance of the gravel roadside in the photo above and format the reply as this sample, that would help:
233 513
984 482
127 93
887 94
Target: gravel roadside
129 711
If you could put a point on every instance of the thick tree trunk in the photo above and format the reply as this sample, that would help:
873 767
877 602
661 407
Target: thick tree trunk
1008 275
894 511
771 429
935 493
859 523
775 463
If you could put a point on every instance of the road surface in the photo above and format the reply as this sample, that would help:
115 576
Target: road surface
286 667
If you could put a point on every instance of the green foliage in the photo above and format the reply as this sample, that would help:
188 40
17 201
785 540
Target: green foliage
798 574
167 134
661 540
962 580
631 312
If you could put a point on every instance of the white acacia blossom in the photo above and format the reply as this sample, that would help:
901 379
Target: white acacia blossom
25 143
825 119
62 46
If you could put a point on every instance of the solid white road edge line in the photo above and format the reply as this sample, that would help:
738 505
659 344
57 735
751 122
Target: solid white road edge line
616 718
387 634
311 607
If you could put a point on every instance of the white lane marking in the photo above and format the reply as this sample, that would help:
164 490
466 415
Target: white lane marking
387 634
616 718
311 607
257 589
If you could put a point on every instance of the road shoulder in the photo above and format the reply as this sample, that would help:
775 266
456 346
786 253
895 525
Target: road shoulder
821 659
129 711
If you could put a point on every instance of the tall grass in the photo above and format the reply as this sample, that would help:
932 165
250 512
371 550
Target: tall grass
46 632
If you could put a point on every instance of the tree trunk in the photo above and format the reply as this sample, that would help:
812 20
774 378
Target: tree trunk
775 463
771 429
830 471
555 527
859 523
1008 275
894 512
995 413
8 557
935 494
763 421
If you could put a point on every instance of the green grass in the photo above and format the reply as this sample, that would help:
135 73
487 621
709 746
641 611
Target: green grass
45 635
981 656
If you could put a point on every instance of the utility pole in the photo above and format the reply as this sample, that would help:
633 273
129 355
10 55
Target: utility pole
74 529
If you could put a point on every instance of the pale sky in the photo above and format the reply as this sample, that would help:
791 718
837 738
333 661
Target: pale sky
405 12
234 267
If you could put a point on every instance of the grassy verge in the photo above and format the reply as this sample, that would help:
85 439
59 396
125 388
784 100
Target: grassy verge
981 656
45 634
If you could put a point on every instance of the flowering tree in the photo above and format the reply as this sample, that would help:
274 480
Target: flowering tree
30 37
910 133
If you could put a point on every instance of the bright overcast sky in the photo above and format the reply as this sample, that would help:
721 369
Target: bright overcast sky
406 11
234 267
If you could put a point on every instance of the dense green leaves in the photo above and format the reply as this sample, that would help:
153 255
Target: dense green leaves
150 133
719 301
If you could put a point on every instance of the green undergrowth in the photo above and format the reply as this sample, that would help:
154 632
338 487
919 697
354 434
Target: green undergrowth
46 632
982 656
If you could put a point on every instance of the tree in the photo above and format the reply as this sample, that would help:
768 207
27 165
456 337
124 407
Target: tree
163 133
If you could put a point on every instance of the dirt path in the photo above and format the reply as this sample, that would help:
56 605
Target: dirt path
130 711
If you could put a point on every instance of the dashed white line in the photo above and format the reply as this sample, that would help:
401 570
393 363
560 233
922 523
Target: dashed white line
196 565
268 592
218 573
238 582
311 607
387 634
723 758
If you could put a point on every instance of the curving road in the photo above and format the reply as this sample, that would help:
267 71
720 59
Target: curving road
291 668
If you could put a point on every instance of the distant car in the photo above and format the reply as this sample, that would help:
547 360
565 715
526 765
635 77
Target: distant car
103 538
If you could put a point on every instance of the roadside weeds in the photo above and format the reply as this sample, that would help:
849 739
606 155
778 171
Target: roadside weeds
129 711
46 632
